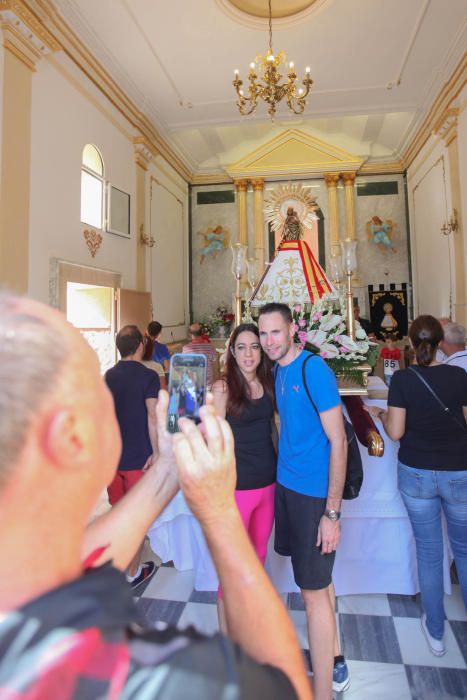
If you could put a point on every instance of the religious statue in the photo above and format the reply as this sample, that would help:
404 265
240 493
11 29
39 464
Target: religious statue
292 229
389 323
380 232
215 241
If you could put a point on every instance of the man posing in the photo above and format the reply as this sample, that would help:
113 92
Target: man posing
134 388
310 474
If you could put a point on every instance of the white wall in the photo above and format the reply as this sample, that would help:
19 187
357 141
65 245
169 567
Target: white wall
64 118
462 146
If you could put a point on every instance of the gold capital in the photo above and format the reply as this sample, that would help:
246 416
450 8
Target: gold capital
349 179
331 179
241 185
257 184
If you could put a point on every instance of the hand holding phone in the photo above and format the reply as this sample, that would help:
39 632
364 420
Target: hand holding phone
187 388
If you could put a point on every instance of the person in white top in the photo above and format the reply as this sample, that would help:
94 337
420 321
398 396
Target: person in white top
453 345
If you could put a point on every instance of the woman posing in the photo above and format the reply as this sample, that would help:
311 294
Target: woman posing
244 396
432 470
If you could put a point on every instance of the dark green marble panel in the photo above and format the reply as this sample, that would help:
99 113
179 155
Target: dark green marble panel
215 197
368 189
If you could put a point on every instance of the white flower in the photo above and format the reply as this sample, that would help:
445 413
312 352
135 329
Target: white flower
328 351
317 338
363 346
347 343
360 333
330 322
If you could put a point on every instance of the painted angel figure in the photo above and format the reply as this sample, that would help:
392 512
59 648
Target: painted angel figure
380 233
215 241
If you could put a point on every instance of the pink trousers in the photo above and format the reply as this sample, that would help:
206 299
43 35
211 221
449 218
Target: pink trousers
256 508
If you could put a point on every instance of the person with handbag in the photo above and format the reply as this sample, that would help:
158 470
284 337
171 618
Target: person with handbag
311 474
427 412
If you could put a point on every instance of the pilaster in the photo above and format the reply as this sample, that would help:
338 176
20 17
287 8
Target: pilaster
258 219
331 180
143 156
241 187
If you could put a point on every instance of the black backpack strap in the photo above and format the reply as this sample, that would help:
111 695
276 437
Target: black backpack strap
306 385
433 393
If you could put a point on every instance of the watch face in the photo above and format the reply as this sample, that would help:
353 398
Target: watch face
332 515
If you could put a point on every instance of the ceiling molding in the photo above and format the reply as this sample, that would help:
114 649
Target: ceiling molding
293 153
450 91
94 71
212 179
395 167
261 23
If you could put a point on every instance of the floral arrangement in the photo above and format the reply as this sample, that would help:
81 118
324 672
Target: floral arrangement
222 317
323 331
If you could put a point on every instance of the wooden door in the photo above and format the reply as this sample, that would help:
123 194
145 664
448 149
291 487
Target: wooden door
133 308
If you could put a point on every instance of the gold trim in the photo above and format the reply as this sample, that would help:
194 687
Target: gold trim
20 55
394 167
241 185
257 184
451 89
93 240
26 16
211 179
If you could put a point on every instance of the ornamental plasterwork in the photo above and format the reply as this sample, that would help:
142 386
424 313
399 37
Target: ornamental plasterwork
16 16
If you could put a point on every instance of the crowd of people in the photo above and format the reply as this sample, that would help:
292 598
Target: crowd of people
67 627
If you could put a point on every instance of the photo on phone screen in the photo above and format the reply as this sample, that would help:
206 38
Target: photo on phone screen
187 388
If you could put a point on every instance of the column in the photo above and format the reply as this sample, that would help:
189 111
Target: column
349 199
258 188
331 180
241 187
447 129
143 156
25 42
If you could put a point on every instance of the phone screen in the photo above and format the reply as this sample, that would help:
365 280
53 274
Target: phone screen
187 388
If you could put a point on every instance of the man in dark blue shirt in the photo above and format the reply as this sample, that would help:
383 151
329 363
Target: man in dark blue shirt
134 388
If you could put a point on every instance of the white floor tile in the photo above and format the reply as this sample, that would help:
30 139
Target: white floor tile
170 584
202 616
414 647
376 604
376 681
454 605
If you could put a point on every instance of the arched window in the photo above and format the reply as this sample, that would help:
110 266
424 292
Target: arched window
92 187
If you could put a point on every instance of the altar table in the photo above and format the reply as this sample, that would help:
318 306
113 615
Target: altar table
376 553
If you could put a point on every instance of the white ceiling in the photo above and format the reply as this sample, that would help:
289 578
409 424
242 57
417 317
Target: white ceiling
377 66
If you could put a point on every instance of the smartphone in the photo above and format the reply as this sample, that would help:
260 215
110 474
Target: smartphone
187 388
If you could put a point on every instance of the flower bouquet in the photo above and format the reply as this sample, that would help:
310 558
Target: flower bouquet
323 331
218 323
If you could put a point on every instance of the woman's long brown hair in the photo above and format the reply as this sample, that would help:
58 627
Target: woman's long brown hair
237 385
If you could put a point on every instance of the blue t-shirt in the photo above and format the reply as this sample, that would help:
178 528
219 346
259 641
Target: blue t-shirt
304 449
131 383
160 353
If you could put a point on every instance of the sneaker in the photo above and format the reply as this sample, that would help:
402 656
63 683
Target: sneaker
340 677
148 569
436 645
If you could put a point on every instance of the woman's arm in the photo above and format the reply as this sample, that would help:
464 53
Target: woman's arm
393 419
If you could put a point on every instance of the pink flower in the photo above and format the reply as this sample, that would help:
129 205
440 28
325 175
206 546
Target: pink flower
302 323
316 316
297 308
303 337
295 327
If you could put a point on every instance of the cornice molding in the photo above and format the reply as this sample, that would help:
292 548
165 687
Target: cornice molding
62 33
23 34
438 112
211 179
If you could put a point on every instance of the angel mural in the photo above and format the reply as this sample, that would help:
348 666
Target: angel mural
215 241
381 232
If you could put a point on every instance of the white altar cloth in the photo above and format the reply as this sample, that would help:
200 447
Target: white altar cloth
376 553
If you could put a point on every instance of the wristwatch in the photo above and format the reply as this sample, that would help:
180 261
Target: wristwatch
333 515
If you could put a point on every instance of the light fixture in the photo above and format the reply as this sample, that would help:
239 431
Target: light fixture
349 263
450 226
267 86
239 253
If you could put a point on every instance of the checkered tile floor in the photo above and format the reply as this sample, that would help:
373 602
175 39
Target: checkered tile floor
381 638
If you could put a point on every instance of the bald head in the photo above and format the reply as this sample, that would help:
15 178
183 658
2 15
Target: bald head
195 330
34 346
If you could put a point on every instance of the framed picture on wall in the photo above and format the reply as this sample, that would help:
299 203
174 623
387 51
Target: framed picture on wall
118 212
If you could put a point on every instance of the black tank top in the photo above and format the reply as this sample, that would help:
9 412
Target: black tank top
254 450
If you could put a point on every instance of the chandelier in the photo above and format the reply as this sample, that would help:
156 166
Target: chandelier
267 85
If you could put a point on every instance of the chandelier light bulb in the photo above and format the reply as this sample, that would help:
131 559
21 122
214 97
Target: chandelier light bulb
264 82
236 71
307 69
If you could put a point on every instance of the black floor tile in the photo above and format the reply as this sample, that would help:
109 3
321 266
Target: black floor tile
203 597
150 611
369 638
405 605
436 683
460 632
